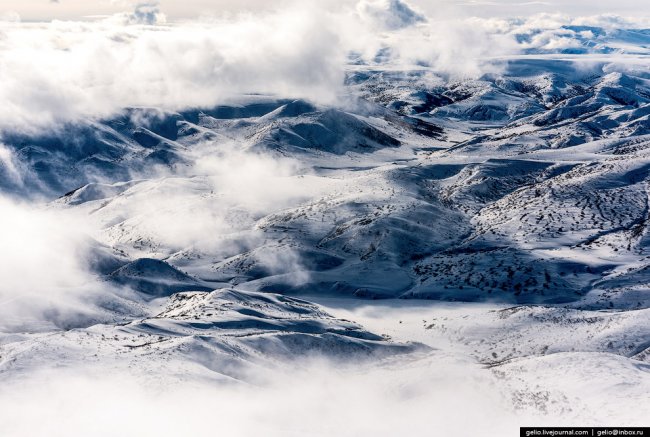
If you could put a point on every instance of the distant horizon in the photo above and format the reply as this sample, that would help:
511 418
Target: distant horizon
174 10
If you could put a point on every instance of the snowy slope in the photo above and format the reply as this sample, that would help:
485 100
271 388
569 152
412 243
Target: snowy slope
540 173
522 194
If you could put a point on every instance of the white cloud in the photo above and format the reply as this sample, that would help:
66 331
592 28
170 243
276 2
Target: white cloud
63 71
222 193
446 394
45 269
52 73
315 399
147 13
388 14
40 265
10 167
10 16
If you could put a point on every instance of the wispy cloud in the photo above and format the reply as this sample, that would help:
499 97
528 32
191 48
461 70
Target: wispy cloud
45 265
64 71
94 69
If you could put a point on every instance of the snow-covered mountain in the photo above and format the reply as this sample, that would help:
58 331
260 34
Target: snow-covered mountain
527 187
210 229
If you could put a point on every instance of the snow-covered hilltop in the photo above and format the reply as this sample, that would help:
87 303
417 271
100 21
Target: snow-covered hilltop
527 186
189 244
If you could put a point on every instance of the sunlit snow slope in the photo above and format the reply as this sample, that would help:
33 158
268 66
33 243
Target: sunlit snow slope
524 191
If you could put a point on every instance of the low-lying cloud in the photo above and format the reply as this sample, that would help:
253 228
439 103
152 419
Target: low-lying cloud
208 206
148 13
51 73
63 71
443 394
45 266
214 201
317 400
389 14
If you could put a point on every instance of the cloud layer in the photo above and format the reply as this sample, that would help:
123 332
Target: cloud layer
94 69
318 400
45 266
56 72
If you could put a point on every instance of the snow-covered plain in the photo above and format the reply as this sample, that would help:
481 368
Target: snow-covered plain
417 247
